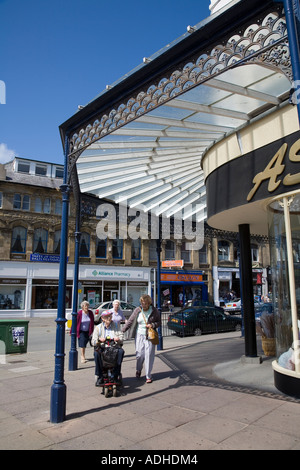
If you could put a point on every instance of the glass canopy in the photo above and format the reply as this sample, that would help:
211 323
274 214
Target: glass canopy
154 163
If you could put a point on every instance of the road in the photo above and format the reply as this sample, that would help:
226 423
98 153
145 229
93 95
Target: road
198 360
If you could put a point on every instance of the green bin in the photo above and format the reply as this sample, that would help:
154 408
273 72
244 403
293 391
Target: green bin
14 334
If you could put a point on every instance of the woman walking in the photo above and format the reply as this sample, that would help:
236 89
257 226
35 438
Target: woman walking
85 327
117 312
144 317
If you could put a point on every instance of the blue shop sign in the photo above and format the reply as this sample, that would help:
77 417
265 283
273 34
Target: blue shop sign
41 258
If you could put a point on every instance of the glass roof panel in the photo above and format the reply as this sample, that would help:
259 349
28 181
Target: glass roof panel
203 94
239 102
215 120
170 113
276 84
245 75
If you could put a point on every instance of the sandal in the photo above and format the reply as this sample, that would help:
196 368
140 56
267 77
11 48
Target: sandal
148 381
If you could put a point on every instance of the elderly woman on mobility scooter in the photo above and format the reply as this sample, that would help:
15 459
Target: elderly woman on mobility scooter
103 331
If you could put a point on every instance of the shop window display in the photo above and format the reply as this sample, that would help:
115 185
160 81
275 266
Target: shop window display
45 297
12 297
284 234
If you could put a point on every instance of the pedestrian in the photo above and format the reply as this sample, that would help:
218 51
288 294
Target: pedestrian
85 327
144 317
117 313
107 329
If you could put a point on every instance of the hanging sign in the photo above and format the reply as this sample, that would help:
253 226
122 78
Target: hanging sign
172 263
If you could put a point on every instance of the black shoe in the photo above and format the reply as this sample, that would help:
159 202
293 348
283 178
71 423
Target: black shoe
99 382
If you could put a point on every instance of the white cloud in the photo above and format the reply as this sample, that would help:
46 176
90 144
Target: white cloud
6 154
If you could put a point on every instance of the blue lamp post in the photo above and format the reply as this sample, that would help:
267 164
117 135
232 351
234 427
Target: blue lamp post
59 389
73 353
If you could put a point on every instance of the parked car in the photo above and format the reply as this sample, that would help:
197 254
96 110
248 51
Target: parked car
198 320
201 303
125 307
234 306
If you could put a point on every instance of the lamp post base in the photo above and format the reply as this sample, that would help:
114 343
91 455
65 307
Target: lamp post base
73 359
58 403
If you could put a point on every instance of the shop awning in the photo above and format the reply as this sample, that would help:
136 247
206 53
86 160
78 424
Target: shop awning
141 141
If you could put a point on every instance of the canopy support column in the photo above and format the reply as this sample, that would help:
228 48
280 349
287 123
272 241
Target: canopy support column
158 251
247 291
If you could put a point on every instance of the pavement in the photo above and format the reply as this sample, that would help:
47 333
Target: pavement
230 406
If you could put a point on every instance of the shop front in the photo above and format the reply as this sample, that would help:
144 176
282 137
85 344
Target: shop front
263 162
31 289
103 284
179 287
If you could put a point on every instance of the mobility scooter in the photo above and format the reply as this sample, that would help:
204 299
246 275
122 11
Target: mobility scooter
109 357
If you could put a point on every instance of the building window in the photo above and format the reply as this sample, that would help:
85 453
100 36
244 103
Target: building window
59 172
117 249
254 253
41 170
17 201
223 250
101 248
152 250
18 240
21 203
38 204
40 240
84 250
185 253
170 250
47 205
203 255
23 167
26 203
57 237
136 249
58 206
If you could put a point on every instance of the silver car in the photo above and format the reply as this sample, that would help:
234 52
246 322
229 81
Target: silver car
126 308
234 306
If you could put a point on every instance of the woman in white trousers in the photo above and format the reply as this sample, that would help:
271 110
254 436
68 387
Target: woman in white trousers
144 317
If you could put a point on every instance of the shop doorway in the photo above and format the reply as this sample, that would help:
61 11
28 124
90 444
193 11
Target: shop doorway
109 295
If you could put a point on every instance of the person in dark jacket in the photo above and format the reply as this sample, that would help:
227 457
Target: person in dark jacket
144 317
85 327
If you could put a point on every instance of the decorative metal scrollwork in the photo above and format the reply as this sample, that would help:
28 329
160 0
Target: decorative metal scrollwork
264 42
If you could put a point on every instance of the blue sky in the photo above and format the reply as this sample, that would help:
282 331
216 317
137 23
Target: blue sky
58 54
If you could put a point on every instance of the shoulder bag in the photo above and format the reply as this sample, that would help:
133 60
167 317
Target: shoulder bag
152 333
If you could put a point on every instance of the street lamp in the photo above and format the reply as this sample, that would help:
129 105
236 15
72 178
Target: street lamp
59 389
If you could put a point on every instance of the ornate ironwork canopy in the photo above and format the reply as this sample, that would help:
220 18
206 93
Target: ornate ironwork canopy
141 141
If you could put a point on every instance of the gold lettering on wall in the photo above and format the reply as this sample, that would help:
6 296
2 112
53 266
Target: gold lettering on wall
289 179
275 168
